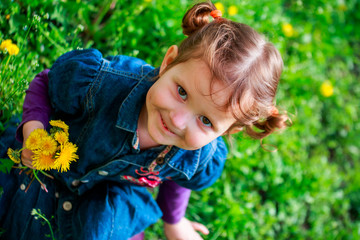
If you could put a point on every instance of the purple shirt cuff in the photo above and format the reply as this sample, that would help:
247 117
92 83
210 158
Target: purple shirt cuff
36 104
173 200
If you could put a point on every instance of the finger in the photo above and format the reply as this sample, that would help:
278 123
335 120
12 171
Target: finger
26 158
197 236
200 227
28 163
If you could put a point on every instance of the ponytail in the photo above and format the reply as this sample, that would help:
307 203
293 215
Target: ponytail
273 123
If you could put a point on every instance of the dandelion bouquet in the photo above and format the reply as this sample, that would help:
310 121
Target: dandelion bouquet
51 151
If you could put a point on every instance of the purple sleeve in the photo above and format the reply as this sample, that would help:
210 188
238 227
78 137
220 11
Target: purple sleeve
36 104
173 200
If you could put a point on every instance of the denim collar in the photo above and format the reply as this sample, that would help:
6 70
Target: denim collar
130 108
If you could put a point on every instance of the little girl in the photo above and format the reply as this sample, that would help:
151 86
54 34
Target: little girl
138 126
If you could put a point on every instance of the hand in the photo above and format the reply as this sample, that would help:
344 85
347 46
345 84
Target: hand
184 230
26 154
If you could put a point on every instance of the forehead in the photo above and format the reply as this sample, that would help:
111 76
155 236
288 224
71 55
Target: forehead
197 75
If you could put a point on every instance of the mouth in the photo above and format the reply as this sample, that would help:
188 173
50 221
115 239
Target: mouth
165 126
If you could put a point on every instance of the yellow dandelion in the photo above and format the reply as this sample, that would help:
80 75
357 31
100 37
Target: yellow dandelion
220 7
13 49
43 161
34 140
5 44
233 10
288 29
59 124
7 16
61 137
65 157
326 89
41 132
14 155
48 145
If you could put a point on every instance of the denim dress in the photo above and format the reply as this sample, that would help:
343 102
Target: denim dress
103 195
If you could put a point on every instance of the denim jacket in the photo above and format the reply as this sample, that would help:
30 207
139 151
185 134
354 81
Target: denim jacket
100 99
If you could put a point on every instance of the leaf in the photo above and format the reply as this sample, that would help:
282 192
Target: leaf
6 165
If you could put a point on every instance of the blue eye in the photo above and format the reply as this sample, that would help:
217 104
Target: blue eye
204 120
182 93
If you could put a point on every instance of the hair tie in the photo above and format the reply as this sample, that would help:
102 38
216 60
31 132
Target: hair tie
216 13
274 111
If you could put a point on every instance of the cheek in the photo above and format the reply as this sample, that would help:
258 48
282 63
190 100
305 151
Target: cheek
197 140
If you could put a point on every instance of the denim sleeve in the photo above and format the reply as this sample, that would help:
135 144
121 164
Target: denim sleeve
212 160
70 79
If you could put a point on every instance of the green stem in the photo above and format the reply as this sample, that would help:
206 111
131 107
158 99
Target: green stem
37 178
46 174
47 221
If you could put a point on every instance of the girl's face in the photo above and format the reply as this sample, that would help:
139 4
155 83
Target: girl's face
180 110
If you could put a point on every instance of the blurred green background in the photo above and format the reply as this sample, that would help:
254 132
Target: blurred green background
310 187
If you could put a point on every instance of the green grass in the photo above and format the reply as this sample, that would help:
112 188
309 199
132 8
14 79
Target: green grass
309 188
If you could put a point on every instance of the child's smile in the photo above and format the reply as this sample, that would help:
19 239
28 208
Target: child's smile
180 110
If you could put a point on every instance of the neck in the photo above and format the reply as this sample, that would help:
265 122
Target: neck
145 139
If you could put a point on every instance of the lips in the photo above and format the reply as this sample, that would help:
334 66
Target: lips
165 126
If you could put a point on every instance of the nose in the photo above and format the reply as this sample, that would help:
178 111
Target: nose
180 118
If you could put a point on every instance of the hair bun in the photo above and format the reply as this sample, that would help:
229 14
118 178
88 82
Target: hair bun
196 17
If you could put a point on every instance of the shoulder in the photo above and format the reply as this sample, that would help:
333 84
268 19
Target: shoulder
93 60
128 66
191 161
216 148
77 62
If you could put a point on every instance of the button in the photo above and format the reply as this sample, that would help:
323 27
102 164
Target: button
67 206
22 187
160 160
57 195
103 173
75 183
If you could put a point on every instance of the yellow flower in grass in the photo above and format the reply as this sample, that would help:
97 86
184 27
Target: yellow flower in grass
5 44
326 89
288 29
48 145
43 161
34 140
14 155
220 6
65 157
9 46
61 137
13 49
60 124
233 10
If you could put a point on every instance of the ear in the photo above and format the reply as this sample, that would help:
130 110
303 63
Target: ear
233 130
170 55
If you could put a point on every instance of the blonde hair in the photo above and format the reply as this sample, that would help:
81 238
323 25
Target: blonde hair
241 58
